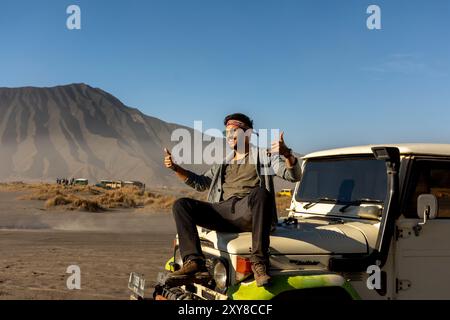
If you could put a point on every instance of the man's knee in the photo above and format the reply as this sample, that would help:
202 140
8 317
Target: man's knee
261 194
181 205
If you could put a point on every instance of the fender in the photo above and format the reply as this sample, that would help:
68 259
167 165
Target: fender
169 264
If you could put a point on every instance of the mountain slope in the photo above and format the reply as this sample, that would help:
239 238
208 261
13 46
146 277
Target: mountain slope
79 131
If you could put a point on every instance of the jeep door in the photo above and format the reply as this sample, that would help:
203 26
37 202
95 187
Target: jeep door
422 252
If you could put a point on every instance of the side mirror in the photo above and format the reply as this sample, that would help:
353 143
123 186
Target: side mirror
427 207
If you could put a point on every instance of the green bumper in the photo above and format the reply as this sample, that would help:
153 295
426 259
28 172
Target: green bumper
280 283
249 291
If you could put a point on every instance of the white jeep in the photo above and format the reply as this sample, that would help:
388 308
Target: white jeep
369 222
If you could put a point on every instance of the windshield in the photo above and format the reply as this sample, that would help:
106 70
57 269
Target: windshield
343 181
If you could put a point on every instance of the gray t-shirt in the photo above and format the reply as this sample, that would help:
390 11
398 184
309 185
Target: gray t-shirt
239 180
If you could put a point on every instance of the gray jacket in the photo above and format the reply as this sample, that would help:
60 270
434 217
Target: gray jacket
269 164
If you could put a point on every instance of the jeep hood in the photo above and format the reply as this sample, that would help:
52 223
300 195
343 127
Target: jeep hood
303 238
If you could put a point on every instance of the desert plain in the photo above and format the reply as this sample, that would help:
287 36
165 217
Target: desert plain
45 228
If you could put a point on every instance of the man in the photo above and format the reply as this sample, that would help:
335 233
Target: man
241 198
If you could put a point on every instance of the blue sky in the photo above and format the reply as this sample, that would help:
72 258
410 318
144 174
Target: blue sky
311 68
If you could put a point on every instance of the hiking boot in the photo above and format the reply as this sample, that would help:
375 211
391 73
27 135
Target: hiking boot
193 271
260 272
191 268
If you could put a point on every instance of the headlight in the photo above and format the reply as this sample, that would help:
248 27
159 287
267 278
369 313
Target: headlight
220 275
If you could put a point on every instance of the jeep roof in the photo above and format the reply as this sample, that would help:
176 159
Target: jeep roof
405 149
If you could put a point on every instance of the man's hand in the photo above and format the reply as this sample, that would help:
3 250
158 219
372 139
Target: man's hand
168 162
280 147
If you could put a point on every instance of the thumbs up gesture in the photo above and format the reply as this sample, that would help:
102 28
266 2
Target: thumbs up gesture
168 161
280 147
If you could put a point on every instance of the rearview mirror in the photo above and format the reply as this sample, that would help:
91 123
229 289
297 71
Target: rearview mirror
427 207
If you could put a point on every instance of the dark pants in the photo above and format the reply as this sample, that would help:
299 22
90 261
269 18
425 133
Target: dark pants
250 214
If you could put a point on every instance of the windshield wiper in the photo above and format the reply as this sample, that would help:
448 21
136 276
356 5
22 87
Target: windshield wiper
358 202
346 204
316 201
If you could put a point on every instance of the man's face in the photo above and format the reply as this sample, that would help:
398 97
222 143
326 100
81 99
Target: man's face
236 137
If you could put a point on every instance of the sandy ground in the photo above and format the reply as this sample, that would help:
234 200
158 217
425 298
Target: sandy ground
37 246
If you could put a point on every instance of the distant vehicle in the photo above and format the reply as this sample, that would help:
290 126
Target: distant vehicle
112 185
81 182
115 185
137 184
109 184
104 184
285 193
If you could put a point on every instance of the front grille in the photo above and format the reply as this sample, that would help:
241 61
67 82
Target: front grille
175 293
353 276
